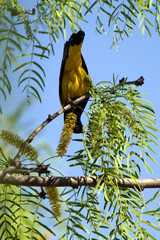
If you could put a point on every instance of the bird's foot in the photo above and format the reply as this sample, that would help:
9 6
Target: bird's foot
71 102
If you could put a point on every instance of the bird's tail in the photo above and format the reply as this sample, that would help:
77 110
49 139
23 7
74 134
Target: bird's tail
70 126
78 126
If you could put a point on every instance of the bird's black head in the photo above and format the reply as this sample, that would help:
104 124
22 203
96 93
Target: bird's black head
76 38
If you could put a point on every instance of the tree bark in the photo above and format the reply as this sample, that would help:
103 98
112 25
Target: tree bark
74 182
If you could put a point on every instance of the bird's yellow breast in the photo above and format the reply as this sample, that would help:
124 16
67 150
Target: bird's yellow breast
75 79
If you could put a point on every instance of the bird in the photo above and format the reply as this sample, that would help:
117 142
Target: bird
74 79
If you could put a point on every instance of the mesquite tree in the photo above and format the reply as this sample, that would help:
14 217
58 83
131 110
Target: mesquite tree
107 202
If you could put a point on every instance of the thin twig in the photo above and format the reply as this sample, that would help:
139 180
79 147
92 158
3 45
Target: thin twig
40 127
15 11
122 82
138 82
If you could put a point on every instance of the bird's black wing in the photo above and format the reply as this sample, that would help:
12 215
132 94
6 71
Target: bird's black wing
65 55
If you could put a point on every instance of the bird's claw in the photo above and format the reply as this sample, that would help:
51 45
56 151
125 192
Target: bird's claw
71 102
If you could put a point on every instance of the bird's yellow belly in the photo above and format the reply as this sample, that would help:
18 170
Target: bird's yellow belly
76 82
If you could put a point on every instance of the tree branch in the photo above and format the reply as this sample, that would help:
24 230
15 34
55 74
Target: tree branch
16 161
74 182
138 82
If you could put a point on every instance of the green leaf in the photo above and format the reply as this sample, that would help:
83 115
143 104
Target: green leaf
144 106
24 55
21 66
141 21
130 9
147 20
128 17
152 225
39 76
148 155
35 93
143 29
148 31
45 227
3 92
39 66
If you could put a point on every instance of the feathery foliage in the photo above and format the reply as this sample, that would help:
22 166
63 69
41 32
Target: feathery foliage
66 134
21 213
117 141
122 17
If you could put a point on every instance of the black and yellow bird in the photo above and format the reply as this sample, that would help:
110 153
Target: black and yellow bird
74 81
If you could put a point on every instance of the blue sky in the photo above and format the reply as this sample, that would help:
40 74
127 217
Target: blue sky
138 55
